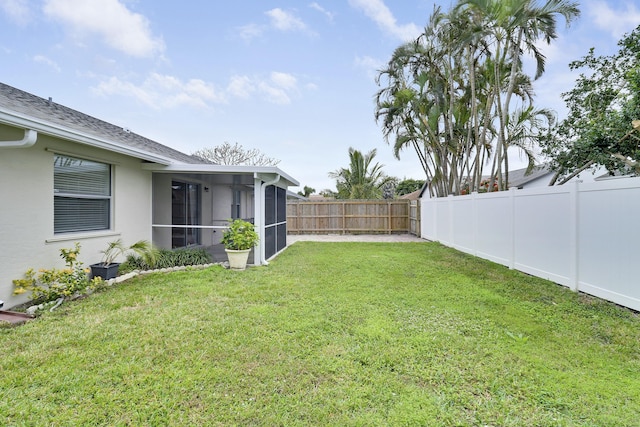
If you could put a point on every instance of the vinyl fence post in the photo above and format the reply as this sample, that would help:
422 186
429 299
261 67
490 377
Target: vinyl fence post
475 221
512 208
574 236
434 220
450 208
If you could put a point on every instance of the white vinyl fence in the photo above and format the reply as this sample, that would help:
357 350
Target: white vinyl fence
584 236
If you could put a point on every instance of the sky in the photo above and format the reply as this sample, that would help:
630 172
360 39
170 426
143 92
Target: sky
292 78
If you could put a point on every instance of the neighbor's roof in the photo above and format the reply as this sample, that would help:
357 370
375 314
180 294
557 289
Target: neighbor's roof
414 195
45 116
295 196
519 177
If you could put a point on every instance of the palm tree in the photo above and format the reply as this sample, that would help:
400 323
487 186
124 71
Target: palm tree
439 101
423 106
363 179
450 93
511 28
524 128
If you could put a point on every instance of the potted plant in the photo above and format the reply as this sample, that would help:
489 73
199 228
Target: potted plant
238 240
107 268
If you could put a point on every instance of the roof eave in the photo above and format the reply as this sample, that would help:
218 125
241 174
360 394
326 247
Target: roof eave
222 169
14 119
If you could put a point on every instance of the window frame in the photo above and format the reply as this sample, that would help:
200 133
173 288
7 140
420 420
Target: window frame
84 195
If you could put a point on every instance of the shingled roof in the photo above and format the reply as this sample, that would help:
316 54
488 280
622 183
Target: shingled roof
47 111
520 177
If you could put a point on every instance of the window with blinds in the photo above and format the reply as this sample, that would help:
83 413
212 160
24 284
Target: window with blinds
82 195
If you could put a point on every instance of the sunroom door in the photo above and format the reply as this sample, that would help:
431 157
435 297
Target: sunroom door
185 210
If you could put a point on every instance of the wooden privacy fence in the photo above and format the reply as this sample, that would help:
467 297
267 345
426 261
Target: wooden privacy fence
353 217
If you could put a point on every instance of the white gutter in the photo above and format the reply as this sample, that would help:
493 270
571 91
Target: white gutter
30 137
263 187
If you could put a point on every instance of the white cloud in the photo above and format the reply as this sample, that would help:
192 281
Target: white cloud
379 13
285 21
161 91
115 86
274 94
322 10
241 87
250 31
279 20
370 65
284 80
41 59
120 28
619 21
17 10
278 88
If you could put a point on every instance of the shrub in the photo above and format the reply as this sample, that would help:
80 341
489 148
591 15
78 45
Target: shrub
166 258
240 235
142 248
52 284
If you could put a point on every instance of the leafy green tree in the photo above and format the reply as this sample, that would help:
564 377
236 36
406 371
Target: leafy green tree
407 186
363 179
599 129
329 194
307 191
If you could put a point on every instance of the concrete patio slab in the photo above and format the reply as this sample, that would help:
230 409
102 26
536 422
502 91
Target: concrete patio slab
293 238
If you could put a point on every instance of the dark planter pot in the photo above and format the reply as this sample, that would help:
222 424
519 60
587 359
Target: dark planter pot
106 272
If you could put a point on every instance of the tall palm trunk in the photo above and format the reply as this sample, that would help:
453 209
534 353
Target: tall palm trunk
515 67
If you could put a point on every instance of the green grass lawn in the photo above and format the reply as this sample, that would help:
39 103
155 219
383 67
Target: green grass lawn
363 334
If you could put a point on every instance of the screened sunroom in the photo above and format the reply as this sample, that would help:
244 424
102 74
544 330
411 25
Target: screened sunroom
192 205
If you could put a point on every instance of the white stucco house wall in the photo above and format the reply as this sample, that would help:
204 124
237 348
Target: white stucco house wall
68 177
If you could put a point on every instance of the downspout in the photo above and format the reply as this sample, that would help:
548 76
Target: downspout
263 186
30 137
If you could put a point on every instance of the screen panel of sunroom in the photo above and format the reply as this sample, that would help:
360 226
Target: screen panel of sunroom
275 220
